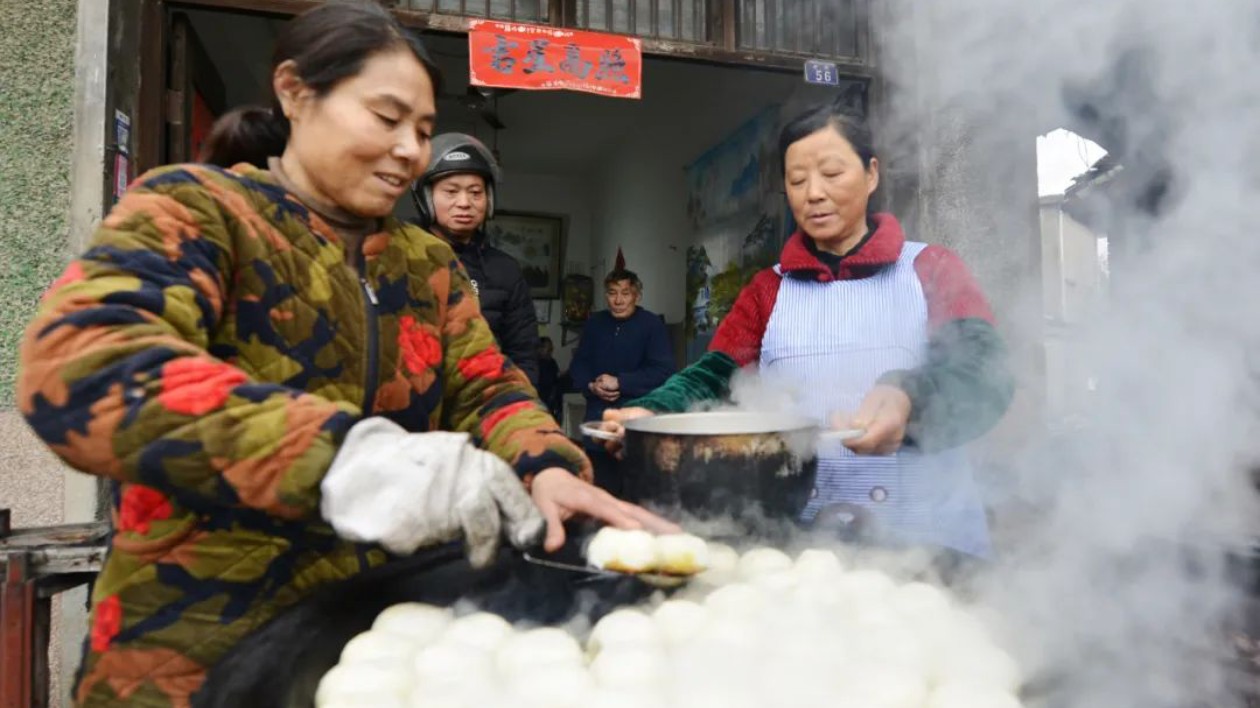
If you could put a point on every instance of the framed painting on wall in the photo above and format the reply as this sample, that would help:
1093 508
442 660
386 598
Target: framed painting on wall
536 241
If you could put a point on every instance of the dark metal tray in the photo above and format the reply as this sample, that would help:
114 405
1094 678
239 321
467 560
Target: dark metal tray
280 665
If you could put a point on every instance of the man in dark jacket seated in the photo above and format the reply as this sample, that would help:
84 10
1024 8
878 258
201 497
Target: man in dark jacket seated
455 198
624 353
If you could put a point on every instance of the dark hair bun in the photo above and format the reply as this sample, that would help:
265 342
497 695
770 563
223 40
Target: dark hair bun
249 134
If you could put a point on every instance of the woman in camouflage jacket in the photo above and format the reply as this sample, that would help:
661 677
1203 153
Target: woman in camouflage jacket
231 332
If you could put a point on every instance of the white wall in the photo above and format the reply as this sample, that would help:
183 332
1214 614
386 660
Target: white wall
640 187
1073 284
1072 276
1051 260
641 207
565 195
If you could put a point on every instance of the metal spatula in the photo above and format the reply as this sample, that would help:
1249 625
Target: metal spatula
658 580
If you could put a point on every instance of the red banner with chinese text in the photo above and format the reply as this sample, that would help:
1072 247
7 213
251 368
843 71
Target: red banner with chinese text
515 55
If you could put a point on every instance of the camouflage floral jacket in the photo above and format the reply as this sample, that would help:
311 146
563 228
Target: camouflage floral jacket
207 353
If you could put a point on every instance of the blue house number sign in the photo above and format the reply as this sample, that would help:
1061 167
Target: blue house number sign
821 72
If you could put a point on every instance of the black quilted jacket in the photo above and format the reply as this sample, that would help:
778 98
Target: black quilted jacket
505 301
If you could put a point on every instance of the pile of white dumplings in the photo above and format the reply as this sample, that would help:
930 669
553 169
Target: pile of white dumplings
759 630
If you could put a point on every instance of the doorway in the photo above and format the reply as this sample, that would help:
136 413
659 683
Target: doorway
620 173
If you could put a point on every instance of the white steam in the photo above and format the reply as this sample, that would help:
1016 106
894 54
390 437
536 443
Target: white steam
1088 591
1092 583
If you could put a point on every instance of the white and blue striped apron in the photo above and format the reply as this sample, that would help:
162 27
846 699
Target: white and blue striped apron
829 343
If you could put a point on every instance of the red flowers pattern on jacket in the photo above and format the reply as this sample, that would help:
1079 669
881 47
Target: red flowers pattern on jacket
420 349
484 364
196 386
141 505
107 623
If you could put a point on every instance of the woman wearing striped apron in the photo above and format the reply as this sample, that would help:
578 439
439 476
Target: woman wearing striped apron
870 331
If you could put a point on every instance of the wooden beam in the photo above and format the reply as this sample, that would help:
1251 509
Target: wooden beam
865 47
848 68
271 7
89 533
413 19
729 25
692 51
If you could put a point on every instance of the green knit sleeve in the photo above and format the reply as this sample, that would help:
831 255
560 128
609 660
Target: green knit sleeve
706 380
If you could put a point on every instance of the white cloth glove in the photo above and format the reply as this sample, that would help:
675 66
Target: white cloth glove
406 490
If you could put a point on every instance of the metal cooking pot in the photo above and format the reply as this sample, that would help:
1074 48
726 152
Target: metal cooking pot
722 464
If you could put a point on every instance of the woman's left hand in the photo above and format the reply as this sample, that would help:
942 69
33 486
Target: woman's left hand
883 414
561 496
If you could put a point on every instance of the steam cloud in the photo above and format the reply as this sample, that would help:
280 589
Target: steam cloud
1091 588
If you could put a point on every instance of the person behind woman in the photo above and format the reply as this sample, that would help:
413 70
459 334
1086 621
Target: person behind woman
549 377
624 352
857 320
455 198
256 358
244 135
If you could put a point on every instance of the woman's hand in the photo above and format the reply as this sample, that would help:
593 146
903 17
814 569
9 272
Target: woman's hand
614 419
883 414
561 496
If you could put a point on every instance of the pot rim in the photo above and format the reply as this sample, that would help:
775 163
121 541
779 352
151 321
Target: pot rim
721 423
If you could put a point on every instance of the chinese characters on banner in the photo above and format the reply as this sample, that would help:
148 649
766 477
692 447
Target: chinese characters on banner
514 55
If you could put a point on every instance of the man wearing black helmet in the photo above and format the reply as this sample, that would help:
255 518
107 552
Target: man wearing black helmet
455 197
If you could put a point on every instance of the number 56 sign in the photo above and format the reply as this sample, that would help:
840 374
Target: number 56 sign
821 72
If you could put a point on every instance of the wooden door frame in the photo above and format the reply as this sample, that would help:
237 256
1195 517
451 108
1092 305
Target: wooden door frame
150 125
157 103
189 74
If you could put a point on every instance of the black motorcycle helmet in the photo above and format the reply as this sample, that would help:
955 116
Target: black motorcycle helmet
455 154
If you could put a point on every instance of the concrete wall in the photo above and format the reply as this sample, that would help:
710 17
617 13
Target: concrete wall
1073 283
1072 272
1051 218
37 49
50 200
37 61
53 77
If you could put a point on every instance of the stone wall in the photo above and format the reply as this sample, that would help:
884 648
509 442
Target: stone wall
37 49
37 89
